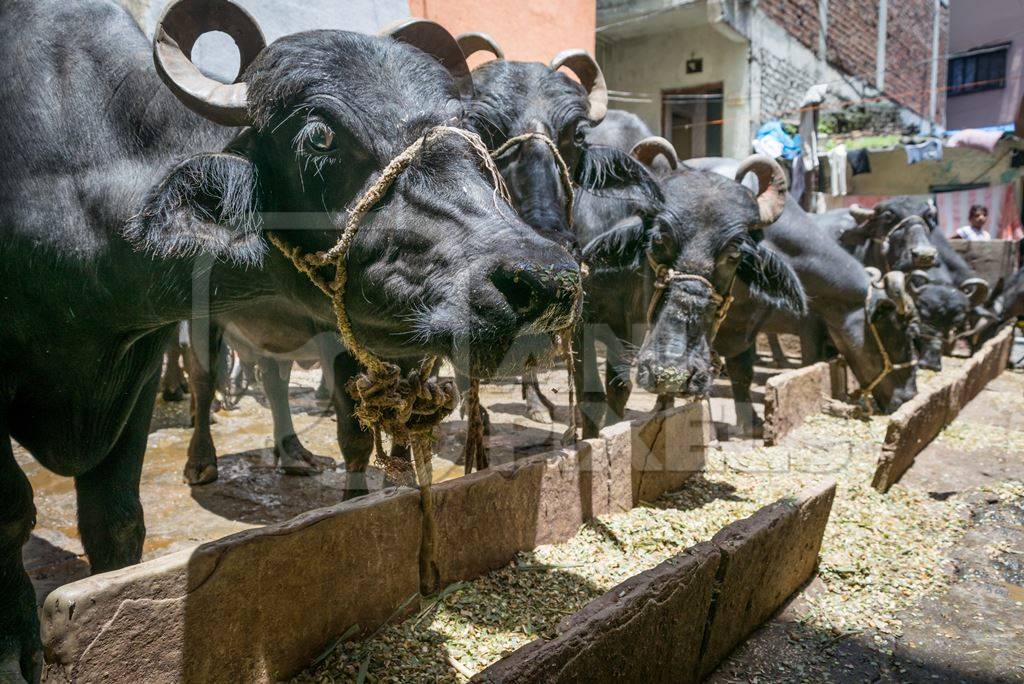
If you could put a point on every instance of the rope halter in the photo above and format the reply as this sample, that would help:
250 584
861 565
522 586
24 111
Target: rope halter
887 365
406 406
563 168
665 275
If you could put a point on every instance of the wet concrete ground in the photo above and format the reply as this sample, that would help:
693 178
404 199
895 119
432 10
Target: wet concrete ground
971 632
250 492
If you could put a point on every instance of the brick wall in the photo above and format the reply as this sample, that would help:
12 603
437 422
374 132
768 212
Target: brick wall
852 43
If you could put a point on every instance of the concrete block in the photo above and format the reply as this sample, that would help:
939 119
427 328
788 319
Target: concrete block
920 420
765 559
911 428
675 622
255 606
647 629
664 450
486 518
790 397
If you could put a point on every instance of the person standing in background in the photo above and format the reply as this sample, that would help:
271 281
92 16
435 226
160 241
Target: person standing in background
975 228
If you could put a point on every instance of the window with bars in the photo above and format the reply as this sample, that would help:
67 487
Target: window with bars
977 71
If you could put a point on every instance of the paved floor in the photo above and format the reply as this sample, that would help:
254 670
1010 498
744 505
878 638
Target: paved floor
250 492
971 632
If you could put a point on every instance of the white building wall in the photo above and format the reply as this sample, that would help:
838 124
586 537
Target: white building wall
651 63
217 55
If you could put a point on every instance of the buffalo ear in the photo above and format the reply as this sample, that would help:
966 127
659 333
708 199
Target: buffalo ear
207 204
622 246
602 168
771 279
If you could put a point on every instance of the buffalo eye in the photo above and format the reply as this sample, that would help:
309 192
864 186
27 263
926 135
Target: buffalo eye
319 138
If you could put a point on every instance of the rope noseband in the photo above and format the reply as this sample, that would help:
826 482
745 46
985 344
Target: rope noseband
563 168
664 276
888 366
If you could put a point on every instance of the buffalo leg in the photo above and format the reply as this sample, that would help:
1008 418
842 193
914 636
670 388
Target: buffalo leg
592 398
289 454
617 387
109 511
173 384
538 407
201 466
356 442
778 355
741 376
21 654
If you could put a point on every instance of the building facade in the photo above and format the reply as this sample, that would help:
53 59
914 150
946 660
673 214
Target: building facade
707 73
985 63
532 30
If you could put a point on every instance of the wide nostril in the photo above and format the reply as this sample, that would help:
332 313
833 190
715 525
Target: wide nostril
518 287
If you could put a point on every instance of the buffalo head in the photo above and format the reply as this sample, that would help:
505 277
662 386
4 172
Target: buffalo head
440 264
706 235
515 99
942 310
891 328
900 235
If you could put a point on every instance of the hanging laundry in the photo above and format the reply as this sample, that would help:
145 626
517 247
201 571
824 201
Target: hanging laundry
770 147
796 175
930 150
773 130
814 96
837 170
859 162
985 141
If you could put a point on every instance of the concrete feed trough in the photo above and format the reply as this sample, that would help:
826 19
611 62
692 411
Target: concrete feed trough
261 604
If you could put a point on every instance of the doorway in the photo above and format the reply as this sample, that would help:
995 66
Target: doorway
691 120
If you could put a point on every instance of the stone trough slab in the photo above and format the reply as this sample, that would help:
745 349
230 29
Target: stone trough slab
254 606
920 420
261 604
677 621
664 451
790 397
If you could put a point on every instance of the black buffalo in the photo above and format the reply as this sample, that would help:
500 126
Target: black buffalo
902 234
661 276
122 213
514 99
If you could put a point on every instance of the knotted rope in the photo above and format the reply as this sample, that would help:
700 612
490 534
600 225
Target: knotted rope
887 365
475 451
665 276
408 406
563 168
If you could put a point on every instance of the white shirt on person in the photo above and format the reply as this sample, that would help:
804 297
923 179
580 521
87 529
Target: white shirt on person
968 232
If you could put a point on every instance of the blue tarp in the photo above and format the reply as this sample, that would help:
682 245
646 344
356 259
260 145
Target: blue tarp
790 143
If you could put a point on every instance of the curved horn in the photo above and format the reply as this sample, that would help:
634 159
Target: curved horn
474 42
874 274
434 39
586 69
976 290
917 280
896 288
176 34
860 214
771 181
648 149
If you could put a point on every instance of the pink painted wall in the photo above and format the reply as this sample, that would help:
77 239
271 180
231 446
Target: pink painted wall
528 30
973 24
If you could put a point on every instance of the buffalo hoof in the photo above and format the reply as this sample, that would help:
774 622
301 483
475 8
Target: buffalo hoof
172 395
540 415
200 474
294 459
322 393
